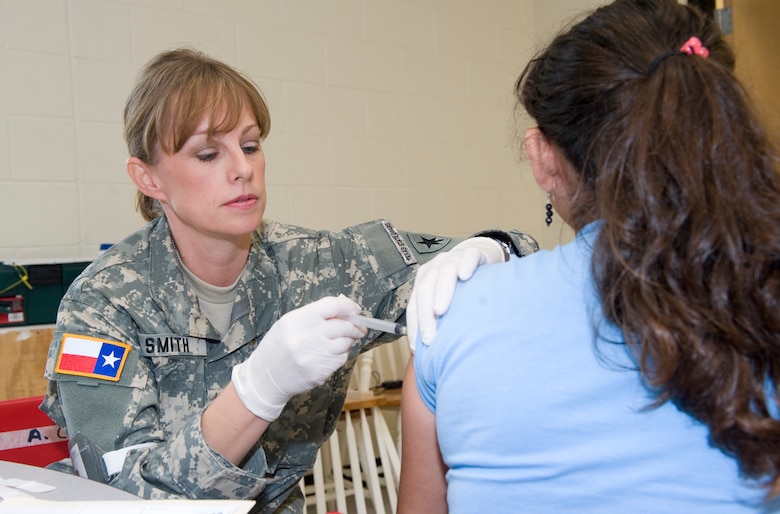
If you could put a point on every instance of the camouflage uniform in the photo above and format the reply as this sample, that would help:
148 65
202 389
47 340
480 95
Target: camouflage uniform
177 362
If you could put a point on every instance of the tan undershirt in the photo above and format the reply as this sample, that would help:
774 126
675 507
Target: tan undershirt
216 302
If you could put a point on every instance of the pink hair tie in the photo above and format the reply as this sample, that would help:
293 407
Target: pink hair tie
691 47
694 47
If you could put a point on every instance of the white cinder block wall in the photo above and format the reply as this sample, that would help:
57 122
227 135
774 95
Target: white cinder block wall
399 109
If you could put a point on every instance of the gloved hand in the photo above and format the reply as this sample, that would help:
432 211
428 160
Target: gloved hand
298 353
435 283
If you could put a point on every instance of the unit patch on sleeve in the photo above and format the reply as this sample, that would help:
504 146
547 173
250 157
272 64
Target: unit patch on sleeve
426 243
91 357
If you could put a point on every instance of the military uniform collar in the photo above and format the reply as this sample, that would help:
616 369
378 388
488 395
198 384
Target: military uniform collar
170 289
257 293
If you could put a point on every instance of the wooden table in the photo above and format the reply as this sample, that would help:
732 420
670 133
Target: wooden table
367 399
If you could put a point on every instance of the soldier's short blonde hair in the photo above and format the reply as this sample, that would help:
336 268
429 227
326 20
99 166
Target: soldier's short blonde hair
174 92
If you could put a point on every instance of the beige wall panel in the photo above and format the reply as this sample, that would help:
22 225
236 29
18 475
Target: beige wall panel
755 41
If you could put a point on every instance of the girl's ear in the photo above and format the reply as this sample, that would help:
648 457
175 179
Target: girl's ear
143 178
544 161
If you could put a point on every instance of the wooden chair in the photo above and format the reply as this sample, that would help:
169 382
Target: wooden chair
372 454
28 436
373 460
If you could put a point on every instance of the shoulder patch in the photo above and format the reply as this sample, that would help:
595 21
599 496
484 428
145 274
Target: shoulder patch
91 357
426 243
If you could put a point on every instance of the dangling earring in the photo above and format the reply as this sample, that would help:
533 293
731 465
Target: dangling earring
548 207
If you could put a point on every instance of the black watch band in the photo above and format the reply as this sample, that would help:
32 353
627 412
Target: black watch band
503 239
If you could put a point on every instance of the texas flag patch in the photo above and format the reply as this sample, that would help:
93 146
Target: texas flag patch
90 357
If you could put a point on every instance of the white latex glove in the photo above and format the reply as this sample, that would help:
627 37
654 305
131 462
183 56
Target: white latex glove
435 283
298 353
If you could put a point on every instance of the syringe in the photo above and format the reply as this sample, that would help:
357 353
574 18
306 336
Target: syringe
377 324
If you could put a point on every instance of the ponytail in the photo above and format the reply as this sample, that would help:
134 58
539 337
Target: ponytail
684 180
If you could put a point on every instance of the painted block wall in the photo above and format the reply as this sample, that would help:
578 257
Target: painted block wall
400 109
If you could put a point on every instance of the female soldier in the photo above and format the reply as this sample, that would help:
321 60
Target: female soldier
207 354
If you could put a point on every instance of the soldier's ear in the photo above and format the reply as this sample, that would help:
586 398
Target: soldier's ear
145 179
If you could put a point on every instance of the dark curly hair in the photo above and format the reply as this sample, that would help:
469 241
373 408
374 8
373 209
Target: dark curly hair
673 162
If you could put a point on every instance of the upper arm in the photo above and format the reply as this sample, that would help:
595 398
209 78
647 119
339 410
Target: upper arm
423 485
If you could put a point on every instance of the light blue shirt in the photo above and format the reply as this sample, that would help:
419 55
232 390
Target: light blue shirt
533 415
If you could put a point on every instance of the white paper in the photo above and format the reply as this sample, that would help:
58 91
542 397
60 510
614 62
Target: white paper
31 486
11 492
35 506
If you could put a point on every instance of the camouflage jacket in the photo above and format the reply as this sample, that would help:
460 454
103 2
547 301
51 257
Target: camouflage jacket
175 362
